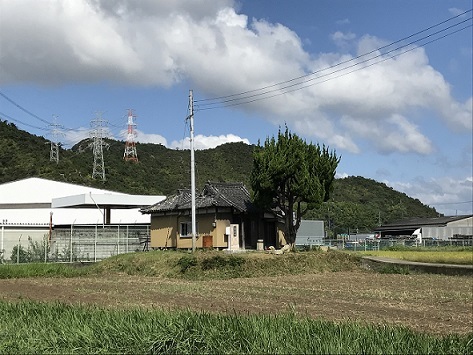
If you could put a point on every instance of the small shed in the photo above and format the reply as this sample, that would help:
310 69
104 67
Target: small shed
310 233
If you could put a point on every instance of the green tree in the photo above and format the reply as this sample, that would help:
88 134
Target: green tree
292 176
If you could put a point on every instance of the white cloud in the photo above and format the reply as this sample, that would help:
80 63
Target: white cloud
344 21
207 142
397 134
342 39
447 195
142 137
341 175
147 42
201 142
454 11
72 137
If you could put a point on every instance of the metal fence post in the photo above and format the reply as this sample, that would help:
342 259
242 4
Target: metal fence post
118 240
95 244
45 250
70 245
18 250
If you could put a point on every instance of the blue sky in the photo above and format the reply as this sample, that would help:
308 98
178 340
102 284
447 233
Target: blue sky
403 118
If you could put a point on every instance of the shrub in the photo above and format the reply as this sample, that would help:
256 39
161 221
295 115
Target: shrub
187 262
213 262
34 253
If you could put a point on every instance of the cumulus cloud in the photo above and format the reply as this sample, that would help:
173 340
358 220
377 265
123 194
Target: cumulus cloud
145 42
447 195
72 137
207 142
142 137
201 142
397 134
342 39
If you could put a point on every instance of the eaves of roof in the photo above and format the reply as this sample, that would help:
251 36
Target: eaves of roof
213 195
420 222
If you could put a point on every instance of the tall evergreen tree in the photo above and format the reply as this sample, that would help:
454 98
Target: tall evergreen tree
292 176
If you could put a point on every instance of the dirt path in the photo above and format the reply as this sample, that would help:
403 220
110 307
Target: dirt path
431 303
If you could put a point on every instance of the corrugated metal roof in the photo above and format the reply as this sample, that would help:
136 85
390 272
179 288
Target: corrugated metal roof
420 222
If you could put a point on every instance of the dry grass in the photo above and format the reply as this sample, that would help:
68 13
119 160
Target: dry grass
427 256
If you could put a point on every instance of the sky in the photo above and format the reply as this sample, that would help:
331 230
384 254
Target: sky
386 84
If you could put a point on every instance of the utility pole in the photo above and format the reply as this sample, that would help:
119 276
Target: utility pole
97 134
191 119
130 147
55 133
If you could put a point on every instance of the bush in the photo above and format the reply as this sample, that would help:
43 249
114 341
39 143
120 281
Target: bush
19 255
186 262
214 262
34 253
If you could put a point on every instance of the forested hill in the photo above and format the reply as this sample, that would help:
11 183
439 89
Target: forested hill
357 202
160 171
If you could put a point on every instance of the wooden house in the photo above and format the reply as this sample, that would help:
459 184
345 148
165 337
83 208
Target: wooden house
219 206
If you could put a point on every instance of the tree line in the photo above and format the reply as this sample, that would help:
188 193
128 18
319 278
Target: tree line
354 203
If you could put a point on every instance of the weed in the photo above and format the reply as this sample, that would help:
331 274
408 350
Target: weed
61 328
219 262
186 262
394 269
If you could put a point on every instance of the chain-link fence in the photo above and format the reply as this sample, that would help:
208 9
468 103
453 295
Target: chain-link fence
379 244
80 243
92 243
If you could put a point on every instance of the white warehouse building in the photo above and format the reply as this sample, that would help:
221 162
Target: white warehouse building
34 208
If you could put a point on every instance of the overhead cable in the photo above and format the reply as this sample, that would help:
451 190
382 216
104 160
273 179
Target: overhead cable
9 118
297 84
24 109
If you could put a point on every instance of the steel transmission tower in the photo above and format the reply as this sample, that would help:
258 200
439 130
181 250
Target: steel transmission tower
55 133
130 147
98 132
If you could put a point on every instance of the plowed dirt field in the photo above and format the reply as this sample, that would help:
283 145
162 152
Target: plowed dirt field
431 303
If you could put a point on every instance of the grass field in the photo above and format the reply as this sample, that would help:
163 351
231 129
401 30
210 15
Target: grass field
29 327
460 255
211 302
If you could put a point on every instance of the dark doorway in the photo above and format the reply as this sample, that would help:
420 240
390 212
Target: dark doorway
270 234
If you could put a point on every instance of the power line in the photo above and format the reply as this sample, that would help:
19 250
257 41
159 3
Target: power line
35 116
294 88
262 93
338 64
24 109
298 86
7 117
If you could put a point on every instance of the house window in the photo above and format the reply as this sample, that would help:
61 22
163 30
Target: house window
186 229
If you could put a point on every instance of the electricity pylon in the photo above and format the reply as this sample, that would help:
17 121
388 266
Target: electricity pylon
130 147
55 134
98 132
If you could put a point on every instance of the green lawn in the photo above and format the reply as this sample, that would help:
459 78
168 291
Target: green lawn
29 327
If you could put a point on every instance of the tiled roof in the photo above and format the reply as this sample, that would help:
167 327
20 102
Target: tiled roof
214 194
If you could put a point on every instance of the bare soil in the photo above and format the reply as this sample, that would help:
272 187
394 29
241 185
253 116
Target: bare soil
429 303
